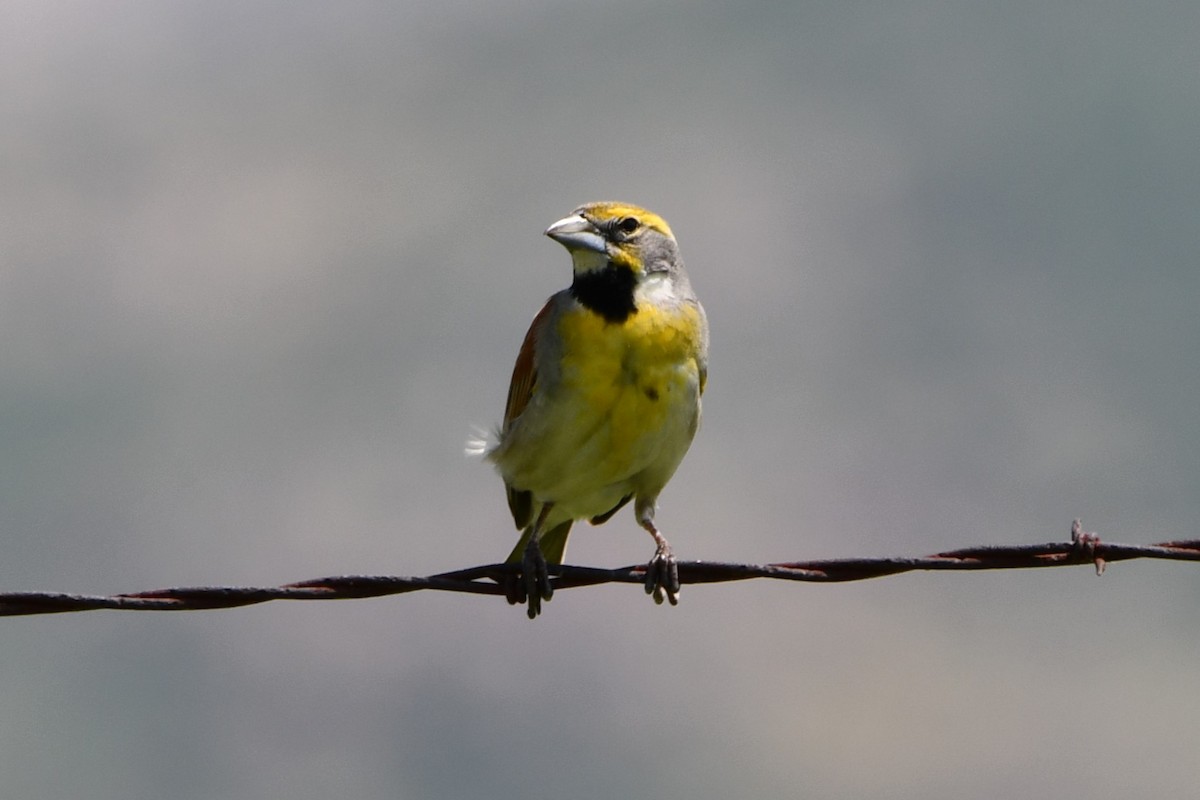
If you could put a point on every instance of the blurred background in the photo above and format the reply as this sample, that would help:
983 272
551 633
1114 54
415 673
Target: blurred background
264 265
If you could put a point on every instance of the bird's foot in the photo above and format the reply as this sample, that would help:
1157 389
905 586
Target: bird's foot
532 586
662 573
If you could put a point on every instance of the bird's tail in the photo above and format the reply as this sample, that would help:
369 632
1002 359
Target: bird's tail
553 544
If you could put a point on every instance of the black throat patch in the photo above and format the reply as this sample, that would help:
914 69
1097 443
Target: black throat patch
608 292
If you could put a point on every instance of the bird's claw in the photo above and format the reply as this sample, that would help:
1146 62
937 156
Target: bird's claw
662 575
514 588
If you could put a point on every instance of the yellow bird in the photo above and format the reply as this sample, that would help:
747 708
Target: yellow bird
605 394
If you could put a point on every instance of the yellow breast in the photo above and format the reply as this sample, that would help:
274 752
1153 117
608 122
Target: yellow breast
640 376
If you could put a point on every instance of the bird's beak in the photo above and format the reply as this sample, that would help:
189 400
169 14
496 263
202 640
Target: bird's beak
576 233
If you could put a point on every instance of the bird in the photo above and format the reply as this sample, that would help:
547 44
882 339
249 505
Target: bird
605 395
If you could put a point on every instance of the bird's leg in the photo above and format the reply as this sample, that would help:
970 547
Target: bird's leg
534 574
662 573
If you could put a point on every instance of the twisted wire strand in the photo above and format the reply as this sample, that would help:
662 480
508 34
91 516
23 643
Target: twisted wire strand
1082 548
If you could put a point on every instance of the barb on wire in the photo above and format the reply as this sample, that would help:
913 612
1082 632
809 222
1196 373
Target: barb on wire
1083 548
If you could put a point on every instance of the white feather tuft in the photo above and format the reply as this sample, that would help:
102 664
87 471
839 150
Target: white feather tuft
480 442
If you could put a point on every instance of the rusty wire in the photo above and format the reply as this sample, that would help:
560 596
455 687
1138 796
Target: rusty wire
1082 548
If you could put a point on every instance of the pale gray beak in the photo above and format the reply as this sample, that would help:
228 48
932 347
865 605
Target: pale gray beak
576 233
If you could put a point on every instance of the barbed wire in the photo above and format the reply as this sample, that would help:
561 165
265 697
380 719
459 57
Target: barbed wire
490 579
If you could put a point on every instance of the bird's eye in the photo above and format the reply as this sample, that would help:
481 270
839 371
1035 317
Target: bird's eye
628 225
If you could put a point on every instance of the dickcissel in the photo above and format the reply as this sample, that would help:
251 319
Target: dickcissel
605 394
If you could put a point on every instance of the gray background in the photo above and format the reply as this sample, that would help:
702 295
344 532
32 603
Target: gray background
263 266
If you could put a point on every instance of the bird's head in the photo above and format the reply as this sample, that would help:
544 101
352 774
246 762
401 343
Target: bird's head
604 236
